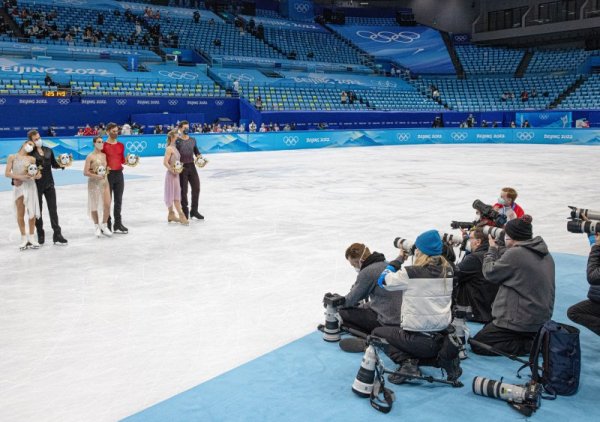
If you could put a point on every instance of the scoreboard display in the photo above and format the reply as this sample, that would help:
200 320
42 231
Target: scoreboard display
59 93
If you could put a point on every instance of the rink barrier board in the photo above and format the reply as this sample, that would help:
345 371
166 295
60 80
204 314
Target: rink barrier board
154 145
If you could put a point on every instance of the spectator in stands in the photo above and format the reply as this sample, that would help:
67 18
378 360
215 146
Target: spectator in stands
158 130
435 94
534 93
438 122
138 29
310 55
196 16
495 124
51 131
344 97
101 129
484 124
251 25
252 126
513 125
211 21
504 97
258 103
524 96
126 129
525 124
48 80
263 128
393 72
287 127
79 132
217 42
471 121
88 131
100 19
260 31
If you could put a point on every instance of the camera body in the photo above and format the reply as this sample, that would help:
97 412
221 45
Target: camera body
334 300
487 211
331 329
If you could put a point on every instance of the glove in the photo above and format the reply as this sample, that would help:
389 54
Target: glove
381 280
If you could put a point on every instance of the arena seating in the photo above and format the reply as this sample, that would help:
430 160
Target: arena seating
548 61
489 60
586 97
353 20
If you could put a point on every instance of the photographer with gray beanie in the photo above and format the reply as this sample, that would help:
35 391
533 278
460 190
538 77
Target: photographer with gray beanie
524 270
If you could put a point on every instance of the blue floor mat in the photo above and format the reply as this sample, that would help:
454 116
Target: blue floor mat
310 379
63 178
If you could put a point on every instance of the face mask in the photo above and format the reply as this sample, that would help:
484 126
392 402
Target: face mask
468 247
28 148
186 131
38 143
502 201
357 269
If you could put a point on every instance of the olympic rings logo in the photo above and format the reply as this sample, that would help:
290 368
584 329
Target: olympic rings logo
290 141
403 137
525 136
136 146
386 37
302 7
121 102
188 76
173 102
544 116
242 77
219 103
459 136
460 38
2 101
64 101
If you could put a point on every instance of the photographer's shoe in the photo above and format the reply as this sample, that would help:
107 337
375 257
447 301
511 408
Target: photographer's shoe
406 371
452 368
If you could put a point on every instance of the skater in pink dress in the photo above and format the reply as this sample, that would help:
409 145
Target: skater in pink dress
172 186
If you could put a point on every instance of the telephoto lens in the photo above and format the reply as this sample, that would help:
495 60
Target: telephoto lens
452 239
495 232
580 226
579 213
405 244
498 390
468 225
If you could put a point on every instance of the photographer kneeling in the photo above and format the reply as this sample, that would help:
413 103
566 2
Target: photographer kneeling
382 307
426 310
587 313
525 299
473 294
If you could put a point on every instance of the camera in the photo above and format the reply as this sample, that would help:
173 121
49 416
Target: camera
468 225
496 232
524 398
452 239
580 213
487 211
331 328
580 226
405 244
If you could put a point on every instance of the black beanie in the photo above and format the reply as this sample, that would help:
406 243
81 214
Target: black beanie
520 228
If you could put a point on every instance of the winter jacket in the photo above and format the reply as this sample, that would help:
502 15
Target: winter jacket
593 274
427 301
385 304
525 273
471 287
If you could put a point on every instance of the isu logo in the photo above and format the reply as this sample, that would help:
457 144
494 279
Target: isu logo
2 101
302 7
403 137
386 37
173 102
458 136
525 136
121 102
64 101
290 141
188 76
136 146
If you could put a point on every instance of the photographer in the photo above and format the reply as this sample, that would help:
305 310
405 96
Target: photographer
472 291
382 307
587 313
525 298
426 310
506 204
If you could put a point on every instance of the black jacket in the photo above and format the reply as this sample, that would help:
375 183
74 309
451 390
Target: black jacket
48 162
593 274
472 289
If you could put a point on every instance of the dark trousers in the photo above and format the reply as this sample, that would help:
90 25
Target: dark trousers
409 344
586 313
189 175
50 194
360 319
507 341
116 183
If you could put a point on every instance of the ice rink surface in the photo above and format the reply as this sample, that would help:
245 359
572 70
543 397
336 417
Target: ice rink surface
103 328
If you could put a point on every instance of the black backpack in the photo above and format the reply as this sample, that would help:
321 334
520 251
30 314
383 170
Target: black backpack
558 345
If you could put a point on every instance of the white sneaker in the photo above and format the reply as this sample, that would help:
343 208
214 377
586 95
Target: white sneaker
106 231
98 230
23 244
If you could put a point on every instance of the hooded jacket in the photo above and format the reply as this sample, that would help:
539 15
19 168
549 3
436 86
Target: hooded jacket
385 304
593 274
525 273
